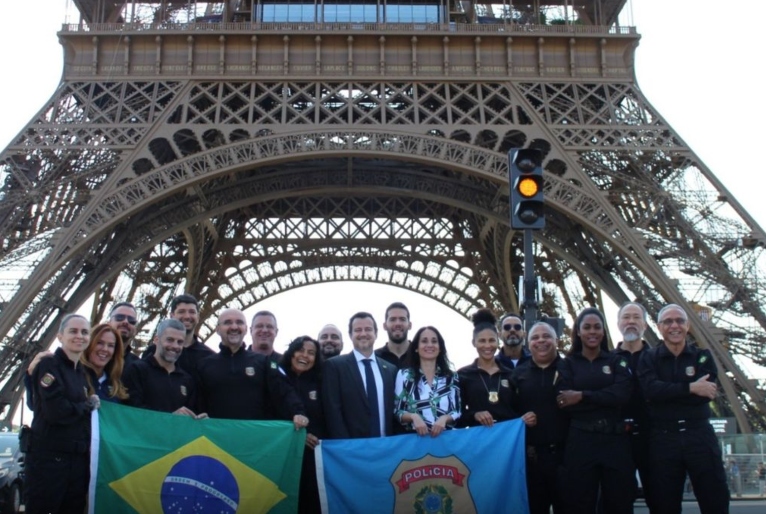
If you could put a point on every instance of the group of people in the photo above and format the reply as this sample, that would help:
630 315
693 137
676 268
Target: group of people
592 417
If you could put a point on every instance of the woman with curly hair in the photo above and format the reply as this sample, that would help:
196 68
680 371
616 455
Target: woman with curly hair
302 364
427 393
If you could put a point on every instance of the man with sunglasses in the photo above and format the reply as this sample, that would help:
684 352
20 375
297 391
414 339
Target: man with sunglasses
514 351
124 319
678 381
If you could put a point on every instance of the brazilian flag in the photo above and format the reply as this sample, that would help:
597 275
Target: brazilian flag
151 462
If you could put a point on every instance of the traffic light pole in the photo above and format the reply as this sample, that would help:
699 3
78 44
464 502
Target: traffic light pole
530 283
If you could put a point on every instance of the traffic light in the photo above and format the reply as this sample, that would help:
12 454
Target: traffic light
526 178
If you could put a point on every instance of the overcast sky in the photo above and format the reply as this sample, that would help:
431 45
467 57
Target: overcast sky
696 64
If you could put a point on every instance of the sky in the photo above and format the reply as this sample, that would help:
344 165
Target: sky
696 64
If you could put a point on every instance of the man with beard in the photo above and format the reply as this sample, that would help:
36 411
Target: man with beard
396 325
534 382
330 341
678 381
631 321
185 309
124 318
157 383
239 384
264 331
513 352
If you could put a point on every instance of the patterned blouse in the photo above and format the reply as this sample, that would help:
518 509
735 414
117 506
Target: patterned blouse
430 403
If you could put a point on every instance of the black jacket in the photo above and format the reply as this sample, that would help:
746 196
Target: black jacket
476 388
151 387
245 385
62 411
665 381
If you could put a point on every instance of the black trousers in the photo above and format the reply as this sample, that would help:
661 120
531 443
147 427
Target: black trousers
694 451
641 458
544 482
598 462
56 482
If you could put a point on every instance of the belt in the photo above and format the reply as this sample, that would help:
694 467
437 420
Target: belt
678 425
602 426
48 445
538 449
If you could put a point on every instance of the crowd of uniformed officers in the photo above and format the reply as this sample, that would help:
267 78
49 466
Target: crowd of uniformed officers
593 417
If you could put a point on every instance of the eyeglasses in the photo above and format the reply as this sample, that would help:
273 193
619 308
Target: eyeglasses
515 326
668 322
124 317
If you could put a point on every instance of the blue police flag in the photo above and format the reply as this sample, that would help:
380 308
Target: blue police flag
476 470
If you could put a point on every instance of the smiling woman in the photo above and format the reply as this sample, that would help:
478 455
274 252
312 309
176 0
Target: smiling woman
104 361
303 368
57 460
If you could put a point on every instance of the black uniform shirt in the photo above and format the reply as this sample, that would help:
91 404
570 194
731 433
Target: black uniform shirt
245 385
475 387
150 386
62 411
309 389
665 381
389 356
536 391
129 356
636 408
605 384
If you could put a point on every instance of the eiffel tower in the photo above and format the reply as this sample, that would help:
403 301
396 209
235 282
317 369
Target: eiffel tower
239 149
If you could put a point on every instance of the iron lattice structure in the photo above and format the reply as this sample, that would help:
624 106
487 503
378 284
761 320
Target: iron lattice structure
237 160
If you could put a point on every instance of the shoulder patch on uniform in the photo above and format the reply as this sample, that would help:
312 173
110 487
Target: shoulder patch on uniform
504 383
250 371
274 365
607 370
312 395
623 363
702 358
47 380
183 390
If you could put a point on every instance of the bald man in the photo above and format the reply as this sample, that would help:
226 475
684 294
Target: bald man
330 341
236 383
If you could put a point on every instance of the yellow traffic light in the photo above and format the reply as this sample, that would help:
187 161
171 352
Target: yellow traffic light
528 187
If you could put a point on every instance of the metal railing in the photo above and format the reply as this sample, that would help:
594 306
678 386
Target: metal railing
447 28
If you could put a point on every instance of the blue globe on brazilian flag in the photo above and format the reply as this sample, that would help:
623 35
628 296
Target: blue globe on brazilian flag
150 462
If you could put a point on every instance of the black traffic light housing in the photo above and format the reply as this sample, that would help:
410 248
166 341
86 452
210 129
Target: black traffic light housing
525 169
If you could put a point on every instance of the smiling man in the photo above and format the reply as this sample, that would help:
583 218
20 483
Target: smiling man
264 331
397 325
358 387
678 381
330 341
157 383
236 383
534 382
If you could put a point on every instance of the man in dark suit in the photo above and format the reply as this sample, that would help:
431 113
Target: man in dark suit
358 388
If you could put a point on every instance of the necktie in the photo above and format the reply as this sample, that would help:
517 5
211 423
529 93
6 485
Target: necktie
372 398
